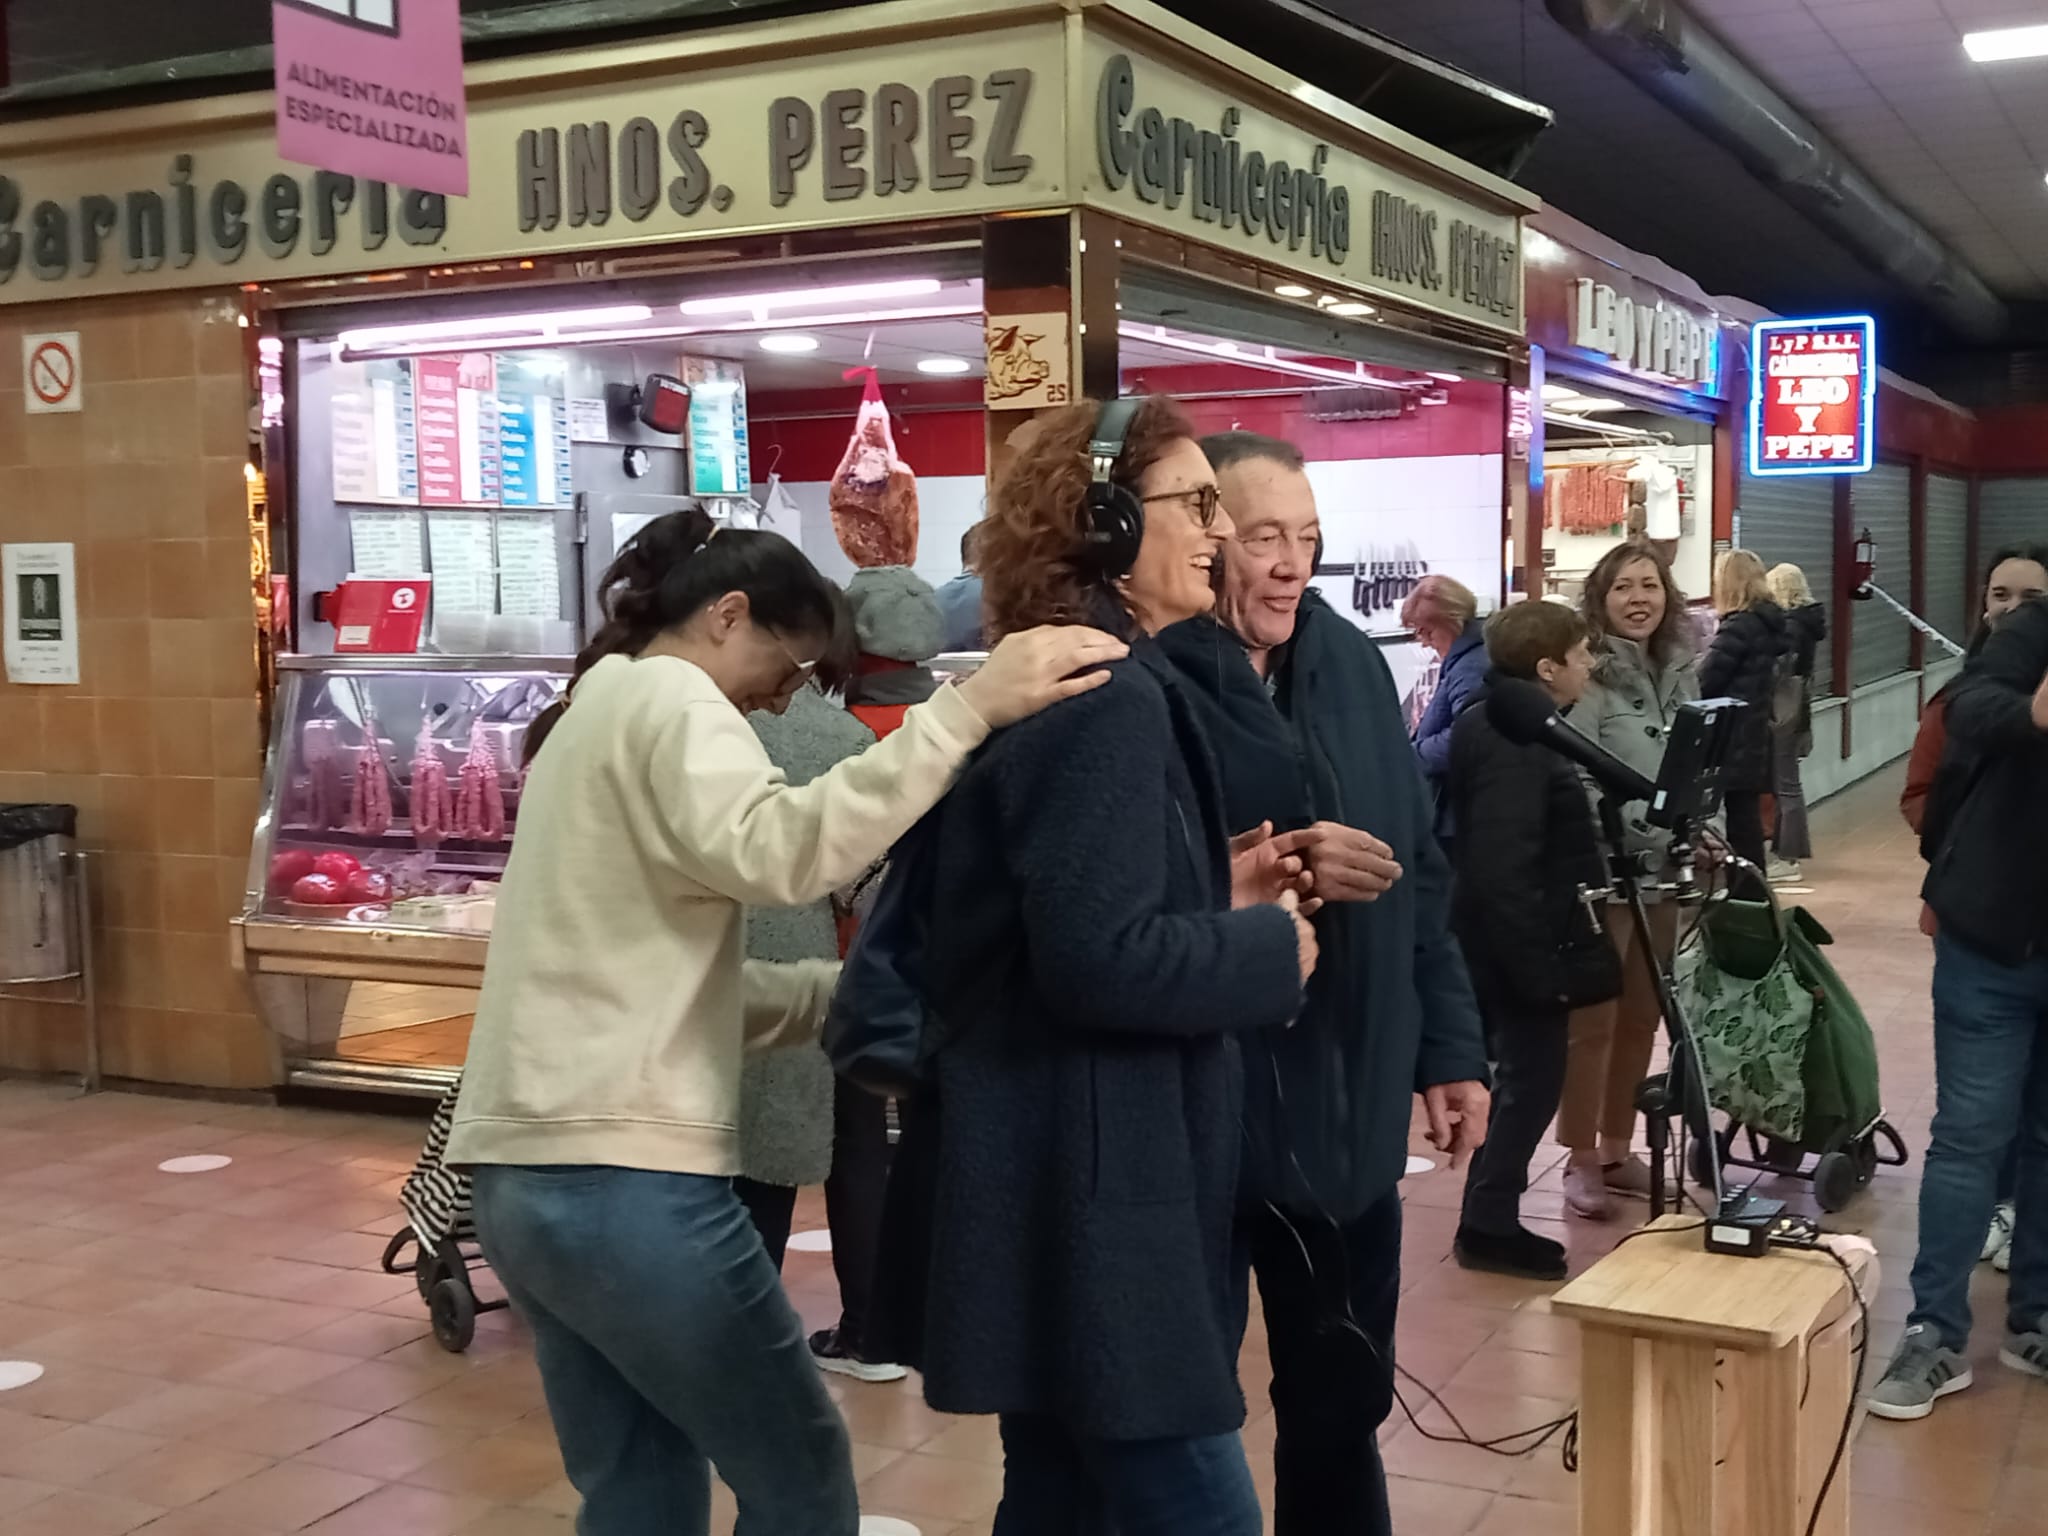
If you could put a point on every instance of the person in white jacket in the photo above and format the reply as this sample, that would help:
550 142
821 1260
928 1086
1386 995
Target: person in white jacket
600 1103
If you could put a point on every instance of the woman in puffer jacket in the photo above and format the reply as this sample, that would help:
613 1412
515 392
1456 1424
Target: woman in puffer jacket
1643 672
1754 638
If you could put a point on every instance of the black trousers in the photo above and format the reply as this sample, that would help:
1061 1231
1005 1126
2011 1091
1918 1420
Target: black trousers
1529 1052
772 1207
855 1194
1745 813
1322 1286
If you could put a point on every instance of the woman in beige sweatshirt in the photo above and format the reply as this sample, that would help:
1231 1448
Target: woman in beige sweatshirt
600 1101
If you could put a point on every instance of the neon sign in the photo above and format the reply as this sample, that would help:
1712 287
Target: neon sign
1813 396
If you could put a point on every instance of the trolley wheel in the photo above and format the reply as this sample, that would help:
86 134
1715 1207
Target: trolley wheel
394 1248
453 1310
1835 1181
1702 1156
427 1272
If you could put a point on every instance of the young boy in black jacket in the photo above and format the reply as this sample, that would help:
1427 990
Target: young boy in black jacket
1530 886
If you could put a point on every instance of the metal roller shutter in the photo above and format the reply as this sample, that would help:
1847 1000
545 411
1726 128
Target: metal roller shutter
2011 511
1792 518
1949 602
1881 643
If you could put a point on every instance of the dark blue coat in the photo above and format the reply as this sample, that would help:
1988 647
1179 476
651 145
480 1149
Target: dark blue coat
1389 1010
1458 681
1077 1173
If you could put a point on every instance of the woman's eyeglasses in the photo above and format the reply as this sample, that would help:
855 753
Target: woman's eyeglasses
1202 500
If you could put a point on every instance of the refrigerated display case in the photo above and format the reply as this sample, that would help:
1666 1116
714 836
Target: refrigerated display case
391 798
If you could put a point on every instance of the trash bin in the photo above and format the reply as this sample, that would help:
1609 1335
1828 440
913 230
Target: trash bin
39 938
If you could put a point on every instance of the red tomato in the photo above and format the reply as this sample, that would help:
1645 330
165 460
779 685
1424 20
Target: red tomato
290 867
337 866
319 891
368 885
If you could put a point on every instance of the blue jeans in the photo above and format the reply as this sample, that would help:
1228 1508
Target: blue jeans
1991 1086
666 1348
1056 1483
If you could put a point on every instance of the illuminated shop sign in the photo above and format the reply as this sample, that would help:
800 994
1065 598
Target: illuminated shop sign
1813 396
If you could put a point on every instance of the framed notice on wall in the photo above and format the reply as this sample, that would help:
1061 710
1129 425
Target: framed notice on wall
42 612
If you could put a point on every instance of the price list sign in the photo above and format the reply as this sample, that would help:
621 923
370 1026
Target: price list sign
1813 396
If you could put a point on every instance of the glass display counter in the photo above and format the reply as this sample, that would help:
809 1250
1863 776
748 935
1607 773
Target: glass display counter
391 798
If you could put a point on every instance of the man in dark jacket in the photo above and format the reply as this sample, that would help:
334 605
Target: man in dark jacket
1531 890
1306 724
1987 881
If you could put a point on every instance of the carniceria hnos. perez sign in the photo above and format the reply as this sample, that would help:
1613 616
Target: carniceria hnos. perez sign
1171 161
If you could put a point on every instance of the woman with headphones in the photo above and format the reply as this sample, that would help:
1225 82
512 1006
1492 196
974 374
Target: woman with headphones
1094 946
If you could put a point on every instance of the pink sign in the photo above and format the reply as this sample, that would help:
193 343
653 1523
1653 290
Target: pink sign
437 392
373 88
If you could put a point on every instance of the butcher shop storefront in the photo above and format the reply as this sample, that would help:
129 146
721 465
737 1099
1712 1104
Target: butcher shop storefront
776 271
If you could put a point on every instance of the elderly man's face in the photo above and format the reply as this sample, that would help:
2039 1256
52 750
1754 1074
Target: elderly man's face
1267 566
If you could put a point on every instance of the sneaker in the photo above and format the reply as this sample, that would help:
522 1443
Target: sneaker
1630 1176
1585 1191
2026 1353
1999 1239
1921 1374
1521 1253
832 1354
2002 1260
1783 871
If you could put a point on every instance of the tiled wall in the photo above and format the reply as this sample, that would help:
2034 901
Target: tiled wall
158 747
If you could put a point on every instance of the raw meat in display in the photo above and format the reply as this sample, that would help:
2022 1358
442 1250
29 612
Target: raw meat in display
288 868
480 802
433 808
370 806
319 891
325 795
874 493
337 866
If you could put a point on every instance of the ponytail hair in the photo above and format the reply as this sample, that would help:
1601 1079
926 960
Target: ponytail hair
683 562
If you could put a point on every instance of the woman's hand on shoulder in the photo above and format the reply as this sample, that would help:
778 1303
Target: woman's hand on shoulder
1038 668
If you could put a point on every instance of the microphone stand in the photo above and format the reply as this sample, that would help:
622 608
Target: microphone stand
1685 1085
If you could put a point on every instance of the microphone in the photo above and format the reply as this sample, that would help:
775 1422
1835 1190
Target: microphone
1522 712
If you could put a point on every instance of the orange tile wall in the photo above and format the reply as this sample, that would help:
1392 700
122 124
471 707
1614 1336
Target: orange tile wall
159 745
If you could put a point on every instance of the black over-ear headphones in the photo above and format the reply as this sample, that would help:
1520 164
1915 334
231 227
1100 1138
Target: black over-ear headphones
1112 517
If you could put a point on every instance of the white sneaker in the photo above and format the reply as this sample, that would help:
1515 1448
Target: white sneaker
1998 1241
1783 871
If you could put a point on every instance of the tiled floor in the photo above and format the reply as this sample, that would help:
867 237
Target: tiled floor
434 1043
224 1359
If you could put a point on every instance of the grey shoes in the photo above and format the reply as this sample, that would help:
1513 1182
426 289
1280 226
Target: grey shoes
1920 1375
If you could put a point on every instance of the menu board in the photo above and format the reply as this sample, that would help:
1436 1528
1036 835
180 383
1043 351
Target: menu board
373 432
384 544
529 569
465 568
456 407
718 426
533 431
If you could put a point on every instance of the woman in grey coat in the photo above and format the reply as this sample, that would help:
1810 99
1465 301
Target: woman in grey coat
1644 670
786 1095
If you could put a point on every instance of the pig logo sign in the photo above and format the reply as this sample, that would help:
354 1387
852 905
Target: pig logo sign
1813 396
1026 359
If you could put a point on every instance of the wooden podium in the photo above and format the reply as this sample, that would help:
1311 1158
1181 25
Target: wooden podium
1712 1389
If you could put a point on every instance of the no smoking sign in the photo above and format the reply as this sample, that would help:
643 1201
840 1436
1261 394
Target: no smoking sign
50 379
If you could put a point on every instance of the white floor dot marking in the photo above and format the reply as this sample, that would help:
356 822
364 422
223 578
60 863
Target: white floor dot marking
1421 1165
884 1525
18 1373
811 1242
208 1162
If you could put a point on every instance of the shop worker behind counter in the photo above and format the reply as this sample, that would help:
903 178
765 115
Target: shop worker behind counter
600 1103
1307 728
